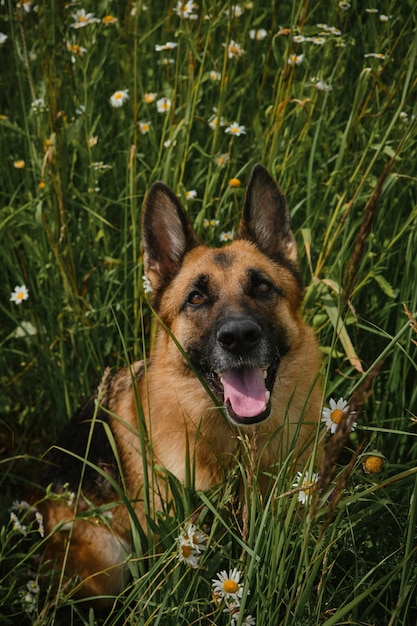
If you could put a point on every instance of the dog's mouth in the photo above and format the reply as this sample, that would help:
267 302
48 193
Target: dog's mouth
246 393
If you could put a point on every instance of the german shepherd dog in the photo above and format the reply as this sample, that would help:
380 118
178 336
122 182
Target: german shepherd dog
231 354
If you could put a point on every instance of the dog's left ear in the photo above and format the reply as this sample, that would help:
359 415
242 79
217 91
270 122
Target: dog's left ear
167 235
265 217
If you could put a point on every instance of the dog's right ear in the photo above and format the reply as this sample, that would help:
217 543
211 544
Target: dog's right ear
167 235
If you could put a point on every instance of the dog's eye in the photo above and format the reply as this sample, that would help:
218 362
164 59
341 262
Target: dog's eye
196 298
263 288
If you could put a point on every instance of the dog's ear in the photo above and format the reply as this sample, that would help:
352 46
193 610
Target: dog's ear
167 235
266 219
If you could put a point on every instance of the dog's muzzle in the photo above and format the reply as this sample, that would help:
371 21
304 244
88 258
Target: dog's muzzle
247 372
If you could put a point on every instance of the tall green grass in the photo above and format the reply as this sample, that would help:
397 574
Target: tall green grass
337 129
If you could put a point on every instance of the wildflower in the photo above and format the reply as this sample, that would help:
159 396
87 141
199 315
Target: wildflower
235 129
163 105
318 41
195 538
76 49
169 45
109 20
191 194
187 555
213 122
192 542
215 76
334 31
25 5
371 10
41 527
234 182
336 414
146 284
234 50
404 117
21 506
149 97
320 85
19 164
384 18
92 141
344 6
186 10
210 223
233 608
295 59
373 464
3 38
222 159
17 525
166 61
119 98
375 55
19 294
81 19
100 166
298 38
169 143
236 11
258 35
226 236
144 127
307 485
29 597
227 586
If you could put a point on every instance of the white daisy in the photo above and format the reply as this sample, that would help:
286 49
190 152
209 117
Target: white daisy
169 45
81 19
307 484
258 35
163 105
336 414
234 50
295 59
235 129
119 98
227 586
144 127
19 294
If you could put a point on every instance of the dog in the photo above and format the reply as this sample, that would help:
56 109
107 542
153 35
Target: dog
231 355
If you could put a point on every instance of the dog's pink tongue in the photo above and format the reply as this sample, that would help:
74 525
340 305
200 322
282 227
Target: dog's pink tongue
245 389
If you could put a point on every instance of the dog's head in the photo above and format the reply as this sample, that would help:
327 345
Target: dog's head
233 310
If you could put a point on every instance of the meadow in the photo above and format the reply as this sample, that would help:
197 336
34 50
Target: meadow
98 101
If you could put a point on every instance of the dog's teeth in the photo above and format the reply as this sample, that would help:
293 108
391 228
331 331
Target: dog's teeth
267 396
265 374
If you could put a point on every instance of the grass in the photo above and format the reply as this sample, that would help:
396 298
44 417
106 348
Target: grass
337 129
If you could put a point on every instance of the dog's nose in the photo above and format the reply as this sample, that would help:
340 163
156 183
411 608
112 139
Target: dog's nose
239 335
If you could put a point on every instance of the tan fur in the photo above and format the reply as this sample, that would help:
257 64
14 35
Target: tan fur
177 409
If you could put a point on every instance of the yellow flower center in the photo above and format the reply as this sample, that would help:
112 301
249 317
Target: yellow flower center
82 19
230 586
337 416
373 464
186 551
234 182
